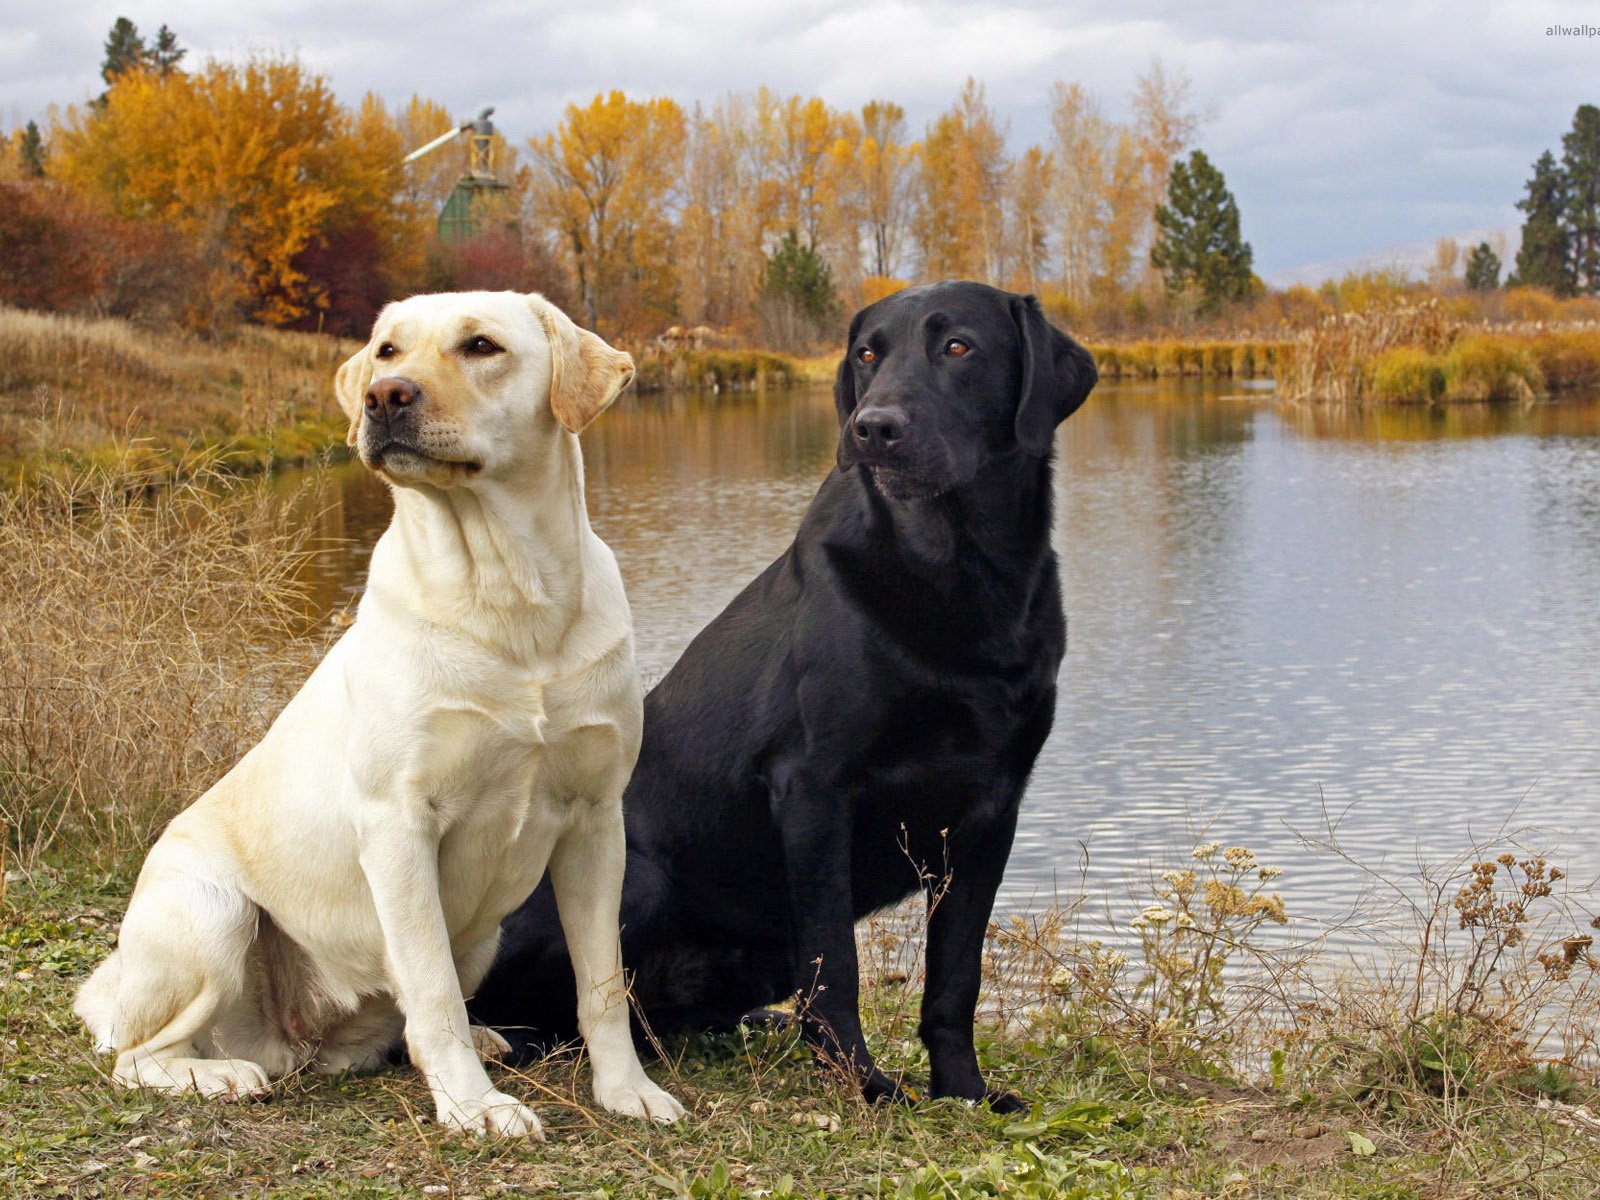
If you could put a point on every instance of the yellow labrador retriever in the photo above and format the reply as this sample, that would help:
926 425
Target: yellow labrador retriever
344 883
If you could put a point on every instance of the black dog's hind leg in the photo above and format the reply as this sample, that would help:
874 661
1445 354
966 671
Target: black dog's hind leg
959 904
816 845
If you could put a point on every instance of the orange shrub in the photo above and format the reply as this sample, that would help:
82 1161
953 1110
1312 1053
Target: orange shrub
876 287
1529 304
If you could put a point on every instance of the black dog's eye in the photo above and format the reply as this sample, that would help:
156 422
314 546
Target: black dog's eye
956 348
866 355
482 347
386 350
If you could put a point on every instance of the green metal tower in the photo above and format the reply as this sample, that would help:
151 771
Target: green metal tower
480 200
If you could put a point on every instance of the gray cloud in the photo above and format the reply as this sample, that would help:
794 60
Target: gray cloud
1341 127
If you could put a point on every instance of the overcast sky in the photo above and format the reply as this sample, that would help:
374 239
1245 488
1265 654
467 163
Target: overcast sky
1342 128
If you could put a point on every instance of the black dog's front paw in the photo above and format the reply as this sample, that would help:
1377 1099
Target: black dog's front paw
771 1020
878 1088
1005 1103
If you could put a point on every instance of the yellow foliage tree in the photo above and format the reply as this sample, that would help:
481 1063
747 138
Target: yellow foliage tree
798 135
606 179
1127 218
963 179
1081 148
718 244
1029 218
1164 127
254 160
884 165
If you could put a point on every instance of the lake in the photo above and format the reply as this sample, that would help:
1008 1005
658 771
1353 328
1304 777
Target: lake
1281 618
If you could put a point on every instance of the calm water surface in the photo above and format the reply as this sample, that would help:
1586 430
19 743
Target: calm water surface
1279 617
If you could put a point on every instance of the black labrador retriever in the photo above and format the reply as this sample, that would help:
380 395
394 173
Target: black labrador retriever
860 722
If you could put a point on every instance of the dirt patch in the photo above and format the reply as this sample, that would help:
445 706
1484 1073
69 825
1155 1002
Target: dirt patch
1275 1148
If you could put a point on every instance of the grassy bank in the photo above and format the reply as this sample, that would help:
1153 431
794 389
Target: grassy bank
1353 1095
75 391
727 371
1201 1049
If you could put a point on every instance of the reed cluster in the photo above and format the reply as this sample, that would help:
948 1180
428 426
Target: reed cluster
1417 353
1178 359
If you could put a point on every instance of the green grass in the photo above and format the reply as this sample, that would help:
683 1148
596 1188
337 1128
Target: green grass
1108 1121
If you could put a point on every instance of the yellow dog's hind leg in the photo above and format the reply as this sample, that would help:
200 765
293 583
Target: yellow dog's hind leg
180 963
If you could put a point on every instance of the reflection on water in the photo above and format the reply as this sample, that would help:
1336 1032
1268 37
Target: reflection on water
1275 612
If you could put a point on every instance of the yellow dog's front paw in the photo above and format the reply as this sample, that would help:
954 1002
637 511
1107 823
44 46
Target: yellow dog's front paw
492 1113
639 1098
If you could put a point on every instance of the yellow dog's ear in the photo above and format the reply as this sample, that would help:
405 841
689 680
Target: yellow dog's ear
350 386
586 374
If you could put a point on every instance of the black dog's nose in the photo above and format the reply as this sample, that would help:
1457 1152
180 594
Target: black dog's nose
389 395
878 428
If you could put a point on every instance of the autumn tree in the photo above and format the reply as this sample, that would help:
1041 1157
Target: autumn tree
1125 217
1445 271
608 178
1483 268
1028 218
719 253
1081 147
884 165
1164 125
253 161
798 133
962 183
1198 249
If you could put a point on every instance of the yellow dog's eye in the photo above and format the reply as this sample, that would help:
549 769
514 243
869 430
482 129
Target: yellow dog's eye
956 348
481 346
866 356
386 350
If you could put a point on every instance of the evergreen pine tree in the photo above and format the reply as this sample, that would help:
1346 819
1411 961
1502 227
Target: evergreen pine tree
32 148
1542 257
165 55
1580 165
125 50
798 274
1198 248
1483 268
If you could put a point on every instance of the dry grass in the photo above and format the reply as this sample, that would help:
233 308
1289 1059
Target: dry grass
1177 358
1418 353
75 390
149 639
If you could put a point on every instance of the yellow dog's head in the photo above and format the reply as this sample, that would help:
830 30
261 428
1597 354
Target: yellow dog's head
464 385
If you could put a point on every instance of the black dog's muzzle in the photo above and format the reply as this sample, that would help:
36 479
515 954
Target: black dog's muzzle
878 431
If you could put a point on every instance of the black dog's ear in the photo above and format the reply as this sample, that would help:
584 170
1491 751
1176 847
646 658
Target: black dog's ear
844 395
1057 376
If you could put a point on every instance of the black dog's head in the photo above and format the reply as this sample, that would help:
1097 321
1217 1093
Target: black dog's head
938 380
